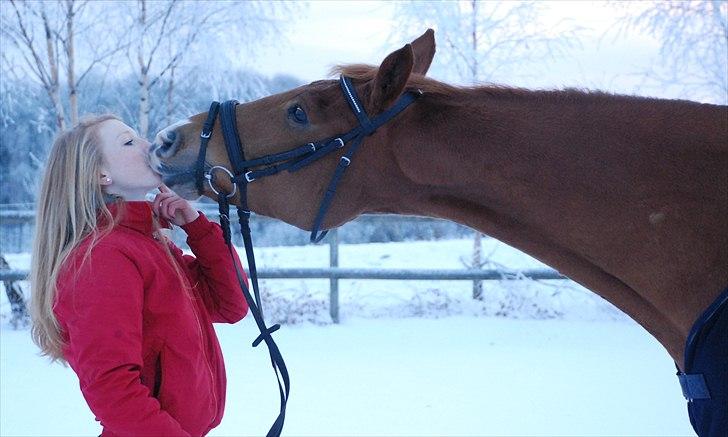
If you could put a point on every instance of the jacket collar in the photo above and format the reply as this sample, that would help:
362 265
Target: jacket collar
136 215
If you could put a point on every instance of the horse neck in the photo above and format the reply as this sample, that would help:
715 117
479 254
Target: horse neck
609 190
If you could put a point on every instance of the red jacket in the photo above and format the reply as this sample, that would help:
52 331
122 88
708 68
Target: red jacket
144 349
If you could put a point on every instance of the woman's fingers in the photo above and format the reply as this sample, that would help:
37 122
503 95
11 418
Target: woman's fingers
159 200
173 206
170 206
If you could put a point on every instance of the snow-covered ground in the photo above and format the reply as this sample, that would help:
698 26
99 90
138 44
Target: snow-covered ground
409 358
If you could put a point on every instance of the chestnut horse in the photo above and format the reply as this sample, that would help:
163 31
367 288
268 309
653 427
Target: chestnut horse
625 195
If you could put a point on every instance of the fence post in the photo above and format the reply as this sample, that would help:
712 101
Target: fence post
334 282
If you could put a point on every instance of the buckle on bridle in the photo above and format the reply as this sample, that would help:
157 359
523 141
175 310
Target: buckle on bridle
341 143
208 176
205 135
313 146
248 177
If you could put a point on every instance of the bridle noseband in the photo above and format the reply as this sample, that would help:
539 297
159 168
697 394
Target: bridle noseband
292 161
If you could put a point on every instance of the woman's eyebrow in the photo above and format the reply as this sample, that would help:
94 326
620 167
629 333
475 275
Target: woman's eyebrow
127 131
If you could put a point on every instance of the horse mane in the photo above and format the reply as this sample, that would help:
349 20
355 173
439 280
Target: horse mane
442 91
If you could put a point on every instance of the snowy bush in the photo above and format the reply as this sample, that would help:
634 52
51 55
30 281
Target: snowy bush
302 307
432 303
520 298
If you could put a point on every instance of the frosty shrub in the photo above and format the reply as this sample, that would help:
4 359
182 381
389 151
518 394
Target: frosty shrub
432 303
302 307
523 298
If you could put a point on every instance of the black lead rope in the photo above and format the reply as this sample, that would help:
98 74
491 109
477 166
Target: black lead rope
292 161
276 359
254 304
279 365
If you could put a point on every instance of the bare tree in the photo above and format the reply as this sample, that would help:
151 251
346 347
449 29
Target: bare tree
45 35
39 53
85 21
693 37
488 41
169 32
484 41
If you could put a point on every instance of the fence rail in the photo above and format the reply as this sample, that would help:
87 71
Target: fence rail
383 274
14 275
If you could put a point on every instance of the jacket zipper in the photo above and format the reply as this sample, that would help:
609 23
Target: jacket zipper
204 350
207 362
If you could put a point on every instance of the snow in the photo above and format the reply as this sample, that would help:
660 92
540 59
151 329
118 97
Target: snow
396 366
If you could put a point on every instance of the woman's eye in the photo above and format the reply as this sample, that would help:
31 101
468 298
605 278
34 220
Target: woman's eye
298 114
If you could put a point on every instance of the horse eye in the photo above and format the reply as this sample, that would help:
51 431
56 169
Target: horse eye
298 114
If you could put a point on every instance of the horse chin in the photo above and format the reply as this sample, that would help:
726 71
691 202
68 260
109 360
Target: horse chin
186 190
180 180
181 184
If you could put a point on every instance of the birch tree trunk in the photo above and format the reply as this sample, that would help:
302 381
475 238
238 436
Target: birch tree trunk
53 85
143 75
71 57
477 263
474 42
170 98
144 106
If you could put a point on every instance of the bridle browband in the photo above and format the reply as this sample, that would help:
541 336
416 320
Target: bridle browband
292 161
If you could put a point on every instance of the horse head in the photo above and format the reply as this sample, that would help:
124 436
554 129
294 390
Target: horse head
281 122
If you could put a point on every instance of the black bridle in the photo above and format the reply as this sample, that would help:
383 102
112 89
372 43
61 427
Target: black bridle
292 161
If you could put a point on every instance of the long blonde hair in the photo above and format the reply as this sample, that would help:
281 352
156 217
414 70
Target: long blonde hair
71 206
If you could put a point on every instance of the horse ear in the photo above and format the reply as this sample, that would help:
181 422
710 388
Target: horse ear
424 50
391 78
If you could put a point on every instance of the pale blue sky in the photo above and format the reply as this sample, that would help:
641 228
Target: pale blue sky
335 32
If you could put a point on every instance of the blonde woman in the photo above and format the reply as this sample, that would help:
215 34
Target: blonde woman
117 301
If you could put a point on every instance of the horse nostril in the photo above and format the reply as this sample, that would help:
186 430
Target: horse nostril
168 141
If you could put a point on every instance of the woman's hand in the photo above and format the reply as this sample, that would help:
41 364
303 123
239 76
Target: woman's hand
173 208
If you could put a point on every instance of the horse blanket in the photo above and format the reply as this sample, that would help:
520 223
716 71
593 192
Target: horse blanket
705 381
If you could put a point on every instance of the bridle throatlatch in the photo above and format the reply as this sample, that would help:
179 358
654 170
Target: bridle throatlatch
292 161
